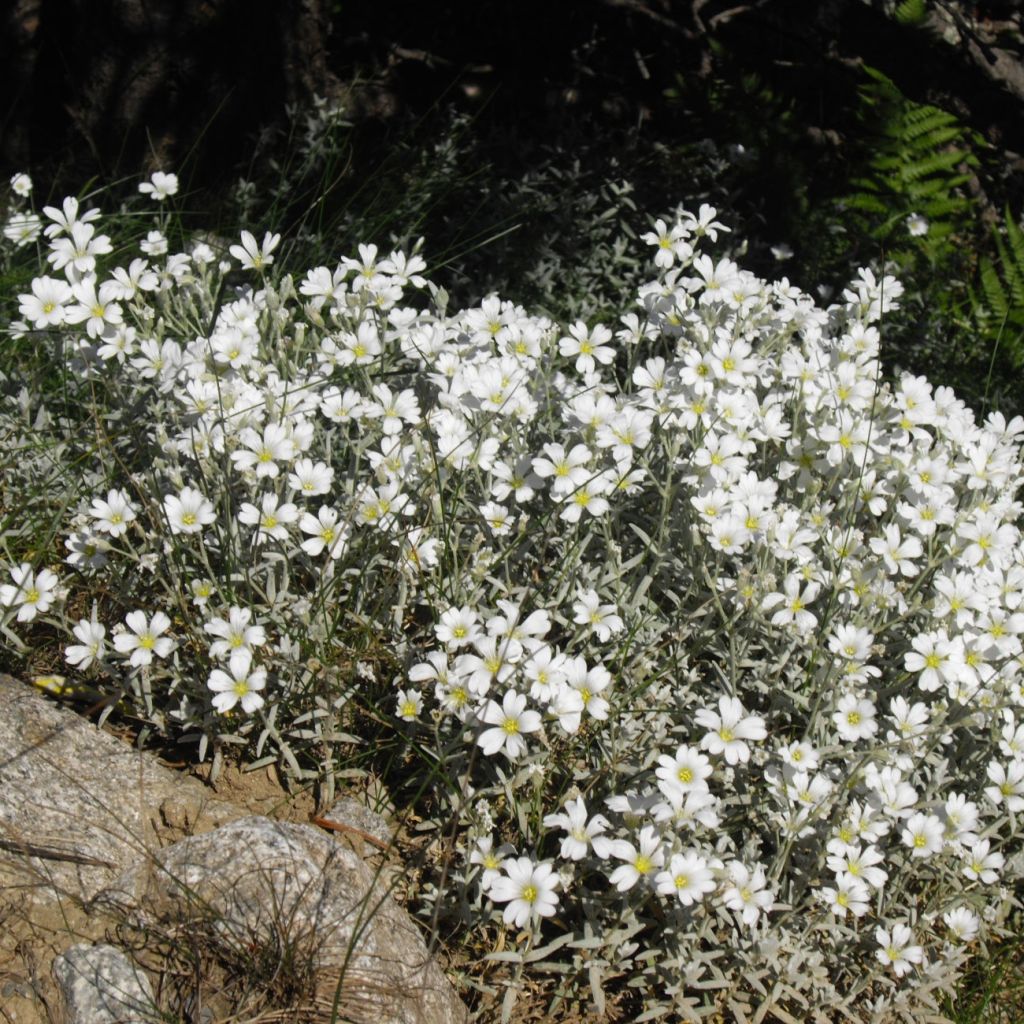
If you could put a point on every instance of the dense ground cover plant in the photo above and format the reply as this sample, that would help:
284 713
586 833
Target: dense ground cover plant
699 639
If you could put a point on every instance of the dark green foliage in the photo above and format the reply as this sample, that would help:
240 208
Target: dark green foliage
917 162
997 299
911 12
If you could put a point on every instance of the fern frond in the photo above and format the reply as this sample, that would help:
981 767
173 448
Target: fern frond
910 12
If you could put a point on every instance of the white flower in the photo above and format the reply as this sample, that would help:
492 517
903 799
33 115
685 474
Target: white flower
961 819
581 834
793 603
263 453
496 517
202 590
897 554
21 185
33 593
510 720
489 859
923 834
235 633
410 705
639 863
1008 785
325 532
730 729
113 515
67 217
910 720
859 864
527 888
309 478
800 756
916 225
747 893
253 256
189 511
684 772
238 684
458 627
980 865
90 647
23 228
44 307
849 895
687 877
544 670
855 718
963 923
79 249
589 347
936 657
271 519
896 949
144 639
603 619
160 186
671 243
154 244
590 684
567 470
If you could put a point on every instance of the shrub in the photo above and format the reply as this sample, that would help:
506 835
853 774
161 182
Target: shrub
699 638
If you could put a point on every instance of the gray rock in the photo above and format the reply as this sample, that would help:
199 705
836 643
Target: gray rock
100 985
257 884
79 806
350 811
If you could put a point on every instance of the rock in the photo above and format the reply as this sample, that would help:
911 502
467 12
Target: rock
100 985
354 813
79 806
257 888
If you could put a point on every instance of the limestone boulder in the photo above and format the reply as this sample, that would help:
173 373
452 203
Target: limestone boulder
100 985
272 890
79 806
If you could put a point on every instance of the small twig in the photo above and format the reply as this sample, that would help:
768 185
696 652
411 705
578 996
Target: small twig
337 826
53 853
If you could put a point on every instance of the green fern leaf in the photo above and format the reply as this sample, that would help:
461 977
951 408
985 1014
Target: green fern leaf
910 12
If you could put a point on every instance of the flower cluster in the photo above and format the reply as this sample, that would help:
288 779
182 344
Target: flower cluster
718 632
